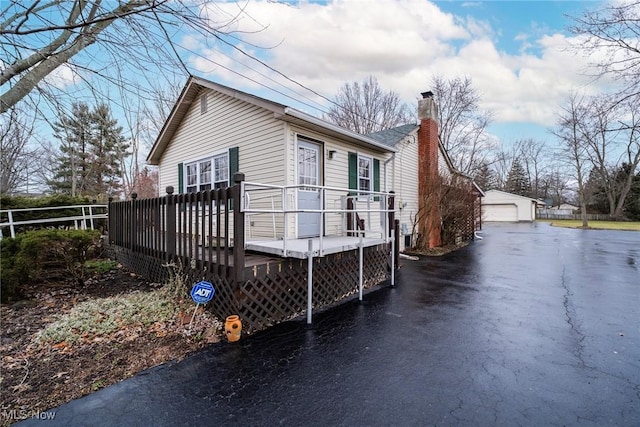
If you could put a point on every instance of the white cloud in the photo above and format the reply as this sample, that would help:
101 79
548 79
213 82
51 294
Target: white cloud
64 76
402 43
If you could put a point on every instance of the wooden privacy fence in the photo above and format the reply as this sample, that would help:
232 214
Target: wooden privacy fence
192 229
550 214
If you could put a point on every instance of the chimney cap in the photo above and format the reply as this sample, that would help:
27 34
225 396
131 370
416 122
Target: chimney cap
427 94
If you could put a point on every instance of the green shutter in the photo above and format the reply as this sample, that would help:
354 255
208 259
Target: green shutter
353 171
180 178
234 163
376 177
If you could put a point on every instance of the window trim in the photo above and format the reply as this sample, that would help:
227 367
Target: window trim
369 178
212 182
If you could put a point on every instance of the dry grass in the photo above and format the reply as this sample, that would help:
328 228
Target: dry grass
596 225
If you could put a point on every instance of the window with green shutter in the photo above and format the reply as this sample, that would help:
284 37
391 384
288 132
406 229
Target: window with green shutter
364 173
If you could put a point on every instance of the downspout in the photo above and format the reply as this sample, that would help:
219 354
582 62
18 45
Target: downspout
391 159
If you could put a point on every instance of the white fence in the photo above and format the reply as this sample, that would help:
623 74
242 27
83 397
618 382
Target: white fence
82 217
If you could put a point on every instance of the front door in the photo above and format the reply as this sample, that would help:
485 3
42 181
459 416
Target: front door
308 197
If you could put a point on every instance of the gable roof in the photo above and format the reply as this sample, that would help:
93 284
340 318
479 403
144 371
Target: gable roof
393 136
511 195
195 85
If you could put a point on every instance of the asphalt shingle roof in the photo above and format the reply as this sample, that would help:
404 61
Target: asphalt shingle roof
392 136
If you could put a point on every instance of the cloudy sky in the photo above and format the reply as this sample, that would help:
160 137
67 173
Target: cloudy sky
516 52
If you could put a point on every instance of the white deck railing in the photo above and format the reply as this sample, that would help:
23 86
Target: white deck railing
281 201
85 218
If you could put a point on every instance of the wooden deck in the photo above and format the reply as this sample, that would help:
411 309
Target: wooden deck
299 248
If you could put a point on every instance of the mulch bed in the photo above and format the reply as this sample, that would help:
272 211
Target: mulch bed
36 377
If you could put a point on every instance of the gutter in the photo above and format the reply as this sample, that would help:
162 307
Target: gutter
337 129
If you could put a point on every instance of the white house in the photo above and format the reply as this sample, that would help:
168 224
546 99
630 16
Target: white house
214 131
247 177
499 206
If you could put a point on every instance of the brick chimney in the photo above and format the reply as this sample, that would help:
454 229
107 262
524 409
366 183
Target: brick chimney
428 185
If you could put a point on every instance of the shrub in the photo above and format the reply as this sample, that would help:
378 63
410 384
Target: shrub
21 202
25 258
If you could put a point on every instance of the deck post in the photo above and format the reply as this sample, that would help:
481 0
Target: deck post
285 231
360 253
170 249
238 228
393 258
396 244
309 282
391 211
110 234
133 232
350 216
322 218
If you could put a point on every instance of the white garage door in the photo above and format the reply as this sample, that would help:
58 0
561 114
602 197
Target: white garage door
500 213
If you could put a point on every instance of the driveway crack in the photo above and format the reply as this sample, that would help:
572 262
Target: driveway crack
571 316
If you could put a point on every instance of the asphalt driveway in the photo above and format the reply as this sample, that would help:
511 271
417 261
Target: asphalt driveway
532 325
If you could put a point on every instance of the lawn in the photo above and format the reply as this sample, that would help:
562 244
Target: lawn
596 225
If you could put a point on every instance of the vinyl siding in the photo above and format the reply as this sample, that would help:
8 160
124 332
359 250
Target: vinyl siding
336 174
404 181
523 207
227 123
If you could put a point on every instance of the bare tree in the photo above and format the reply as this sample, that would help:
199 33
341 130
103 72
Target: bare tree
630 128
611 131
17 158
365 108
114 42
556 186
449 210
533 155
601 140
610 34
463 125
143 123
573 149
501 161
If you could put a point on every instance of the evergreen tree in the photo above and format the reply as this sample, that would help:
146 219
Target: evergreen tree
486 178
92 148
74 132
517 180
108 148
595 194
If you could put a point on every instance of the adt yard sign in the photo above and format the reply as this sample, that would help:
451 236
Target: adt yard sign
202 292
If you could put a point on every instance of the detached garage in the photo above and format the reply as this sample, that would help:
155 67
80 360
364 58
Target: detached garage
498 206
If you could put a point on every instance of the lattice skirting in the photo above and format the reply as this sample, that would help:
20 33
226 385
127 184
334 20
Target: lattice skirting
275 291
278 291
223 303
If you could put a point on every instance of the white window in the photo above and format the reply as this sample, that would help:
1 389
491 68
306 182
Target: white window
307 167
365 173
221 171
200 175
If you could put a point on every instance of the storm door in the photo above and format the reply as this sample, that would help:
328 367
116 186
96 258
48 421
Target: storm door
308 197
